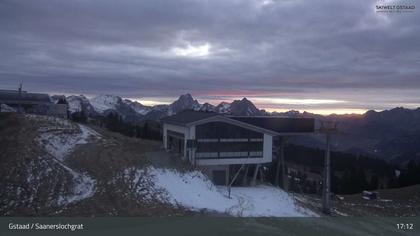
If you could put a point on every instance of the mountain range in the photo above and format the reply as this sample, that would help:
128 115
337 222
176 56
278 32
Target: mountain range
133 111
392 135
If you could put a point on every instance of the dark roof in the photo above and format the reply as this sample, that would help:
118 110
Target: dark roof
275 124
10 95
187 116
280 124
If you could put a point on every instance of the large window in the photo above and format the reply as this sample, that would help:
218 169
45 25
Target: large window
220 130
222 140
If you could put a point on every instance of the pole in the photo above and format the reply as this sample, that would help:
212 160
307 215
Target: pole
254 177
281 165
327 178
233 180
277 177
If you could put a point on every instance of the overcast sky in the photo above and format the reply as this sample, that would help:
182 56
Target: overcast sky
315 55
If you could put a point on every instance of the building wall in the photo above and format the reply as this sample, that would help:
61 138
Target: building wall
267 156
209 171
222 138
268 148
179 129
191 155
34 103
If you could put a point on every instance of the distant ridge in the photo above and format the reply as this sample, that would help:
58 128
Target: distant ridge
392 135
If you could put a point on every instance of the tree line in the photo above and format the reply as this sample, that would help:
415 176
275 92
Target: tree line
115 122
350 173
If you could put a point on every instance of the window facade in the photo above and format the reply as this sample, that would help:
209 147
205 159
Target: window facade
219 140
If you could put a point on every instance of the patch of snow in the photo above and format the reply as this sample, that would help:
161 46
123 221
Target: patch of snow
61 136
141 111
385 200
75 105
340 213
195 191
105 102
138 107
84 187
196 106
6 108
224 107
192 190
144 186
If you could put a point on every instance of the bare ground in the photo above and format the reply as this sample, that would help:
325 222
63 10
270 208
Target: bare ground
106 161
399 202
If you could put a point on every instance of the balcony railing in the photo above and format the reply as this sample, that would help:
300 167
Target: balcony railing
227 155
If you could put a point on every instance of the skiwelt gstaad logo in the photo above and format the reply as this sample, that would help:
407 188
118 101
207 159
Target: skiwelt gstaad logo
393 6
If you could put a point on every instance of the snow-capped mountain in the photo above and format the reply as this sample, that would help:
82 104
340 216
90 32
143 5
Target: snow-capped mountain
364 133
184 102
138 107
105 102
242 107
134 111
223 107
207 107
78 103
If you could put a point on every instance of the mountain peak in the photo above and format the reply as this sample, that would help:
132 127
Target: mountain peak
207 107
184 102
137 107
185 96
244 107
105 101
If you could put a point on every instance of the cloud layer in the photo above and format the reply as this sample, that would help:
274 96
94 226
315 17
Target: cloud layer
216 50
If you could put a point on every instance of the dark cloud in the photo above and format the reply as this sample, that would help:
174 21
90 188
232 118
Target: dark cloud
318 49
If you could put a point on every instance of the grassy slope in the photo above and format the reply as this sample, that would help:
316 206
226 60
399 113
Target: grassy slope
392 202
104 160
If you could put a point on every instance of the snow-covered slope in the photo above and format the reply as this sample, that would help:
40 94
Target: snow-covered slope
59 137
105 102
77 103
196 192
138 107
223 107
6 108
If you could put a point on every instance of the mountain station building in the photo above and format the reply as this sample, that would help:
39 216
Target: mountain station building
220 143
34 103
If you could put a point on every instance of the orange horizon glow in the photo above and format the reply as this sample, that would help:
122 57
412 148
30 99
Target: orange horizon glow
331 111
320 111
